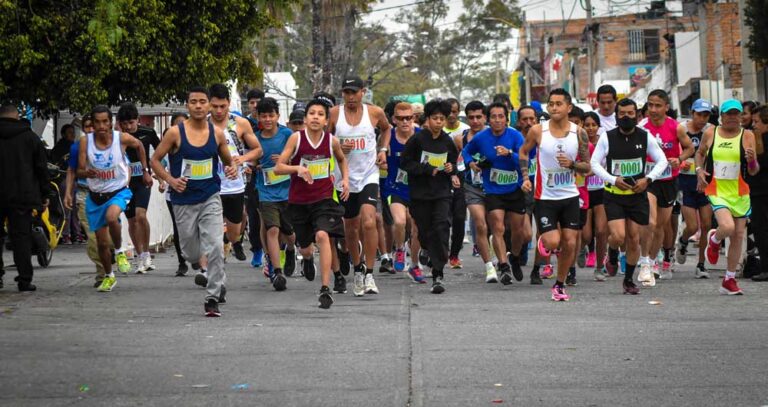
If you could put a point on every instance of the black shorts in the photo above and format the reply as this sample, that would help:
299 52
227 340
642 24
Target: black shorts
665 192
308 219
386 214
473 195
397 199
140 199
563 212
512 202
275 215
232 207
596 198
583 217
530 203
694 199
634 207
368 196
676 208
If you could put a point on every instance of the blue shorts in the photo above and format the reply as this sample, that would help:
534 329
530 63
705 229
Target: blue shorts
694 199
97 214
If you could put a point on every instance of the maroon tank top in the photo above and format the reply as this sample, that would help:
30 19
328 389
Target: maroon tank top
319 162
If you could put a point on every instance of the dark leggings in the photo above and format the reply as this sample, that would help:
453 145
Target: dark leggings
759 226
458 217
176 243
252 210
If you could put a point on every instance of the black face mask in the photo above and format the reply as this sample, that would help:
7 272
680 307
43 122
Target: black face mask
626 123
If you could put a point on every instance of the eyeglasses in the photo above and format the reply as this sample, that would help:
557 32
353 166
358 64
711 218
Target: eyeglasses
404 118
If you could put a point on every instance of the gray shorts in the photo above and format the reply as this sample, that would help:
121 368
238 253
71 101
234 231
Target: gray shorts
473 195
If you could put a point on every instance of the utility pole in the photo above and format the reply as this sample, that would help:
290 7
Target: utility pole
498 69
590 74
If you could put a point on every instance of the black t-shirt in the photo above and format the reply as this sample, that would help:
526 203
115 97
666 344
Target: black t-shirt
414 160
148 137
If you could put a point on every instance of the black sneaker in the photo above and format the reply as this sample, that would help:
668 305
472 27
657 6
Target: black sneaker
506 275
182 270
536 278
278 282
344 262
339 284
27 287
517 271
195 266
437 285
308 268
237 248
387 267
571 278
212 308
201 279
424 257
325 299
290 262
223 295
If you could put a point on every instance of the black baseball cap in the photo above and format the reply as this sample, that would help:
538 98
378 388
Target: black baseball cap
353 83
296 116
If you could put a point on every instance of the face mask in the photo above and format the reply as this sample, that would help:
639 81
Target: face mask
626 123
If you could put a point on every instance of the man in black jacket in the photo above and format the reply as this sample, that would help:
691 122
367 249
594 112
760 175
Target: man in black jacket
23 187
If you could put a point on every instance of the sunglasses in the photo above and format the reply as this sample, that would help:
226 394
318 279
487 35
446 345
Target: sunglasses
404 118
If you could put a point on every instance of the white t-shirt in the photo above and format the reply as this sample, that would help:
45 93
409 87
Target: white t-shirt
607 123
457 131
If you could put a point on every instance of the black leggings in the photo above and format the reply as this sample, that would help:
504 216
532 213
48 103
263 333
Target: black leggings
252 210
459 216
433 220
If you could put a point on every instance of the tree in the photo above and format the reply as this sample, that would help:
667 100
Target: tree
73 54
756 17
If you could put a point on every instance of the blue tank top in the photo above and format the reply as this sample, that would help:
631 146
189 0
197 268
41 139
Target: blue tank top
199 165
397 179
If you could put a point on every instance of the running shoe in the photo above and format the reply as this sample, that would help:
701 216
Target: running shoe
290 262
339 284
437 285
536 278
268 268
610 268
570 279
655 268
599 274
630 288
358 289
591 260
517 271
256 260
107 284
543 251
524 255
730 287
399 260
713 249
581 259
623 262
701 272
490 274
645 277
455 262
325 300
148 262
212 308
762 277
423 257
386 267
201 279
506 274
278 281
559 294
475 252
122 263
547 271
223 295
182 270
308 268
344 262
416 275
237 247
666 271
141 267
681 253
370 284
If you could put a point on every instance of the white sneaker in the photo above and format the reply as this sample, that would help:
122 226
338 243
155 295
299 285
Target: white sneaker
370 285
646 276
599 275
148 263
701 273
141 266
680 254
490 274
358 288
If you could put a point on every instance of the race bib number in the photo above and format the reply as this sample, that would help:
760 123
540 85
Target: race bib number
594 183
358 143
627 168
270 178
557 178
105 174
436 160
136 169
726 171
197 169
691 170
402 177
319 169
503 177
664 175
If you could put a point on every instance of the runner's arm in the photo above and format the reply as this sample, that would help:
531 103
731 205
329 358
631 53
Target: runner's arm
334 117
531 141
128 140
657 155
221 143
82 158
341 161
753 167
582 160
383 124
685 143
167 144
703 150
250 139
601 151
282 166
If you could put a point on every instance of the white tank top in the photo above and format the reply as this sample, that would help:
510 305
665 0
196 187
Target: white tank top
362 159
232 186
111 166
554 182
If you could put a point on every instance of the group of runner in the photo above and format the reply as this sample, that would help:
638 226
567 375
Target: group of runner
354 183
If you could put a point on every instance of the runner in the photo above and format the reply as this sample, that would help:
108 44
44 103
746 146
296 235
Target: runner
182 269
697 213
504 200
606 108
563 151
596 228
672 138
296 121
316 215
358 141
194 149
726 154
396 192
455 128
623 150
576 116
253 96
238 134
136 212
429 158
273 192
102 161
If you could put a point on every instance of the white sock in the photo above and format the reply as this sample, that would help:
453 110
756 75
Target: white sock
111 274
645 260
488 265
120 250
730 274
714 239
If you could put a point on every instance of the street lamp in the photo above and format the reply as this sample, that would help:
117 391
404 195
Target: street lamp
502 20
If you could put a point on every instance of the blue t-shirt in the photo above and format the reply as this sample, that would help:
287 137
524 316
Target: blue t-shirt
74 152
503 176
275 189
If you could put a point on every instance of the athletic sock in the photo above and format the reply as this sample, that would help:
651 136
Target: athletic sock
336 273
559 283
629 274
714 239
730 274
572 270
613 255
591 245
668 255
683 242
536 267
368 271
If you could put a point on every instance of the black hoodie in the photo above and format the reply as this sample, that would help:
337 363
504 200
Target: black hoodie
23 166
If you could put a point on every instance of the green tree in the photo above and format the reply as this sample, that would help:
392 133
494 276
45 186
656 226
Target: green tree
72 54
756 17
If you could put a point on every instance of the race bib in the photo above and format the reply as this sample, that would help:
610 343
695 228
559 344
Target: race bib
136 169
627 168
319 169
503 177
532 166
726 170
477 178
358 143
664 175
691 168
594 183
270 178
105 174
436 160
402 177
557 178
197 169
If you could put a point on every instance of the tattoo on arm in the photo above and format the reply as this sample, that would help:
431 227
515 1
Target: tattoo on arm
582 161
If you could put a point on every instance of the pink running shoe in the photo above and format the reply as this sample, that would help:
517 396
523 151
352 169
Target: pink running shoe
730 287
559 294
591 260
415 273
547 271
713 249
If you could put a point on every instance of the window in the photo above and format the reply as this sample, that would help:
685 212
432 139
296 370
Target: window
643 45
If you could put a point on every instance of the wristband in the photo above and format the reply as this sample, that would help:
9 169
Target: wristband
752 164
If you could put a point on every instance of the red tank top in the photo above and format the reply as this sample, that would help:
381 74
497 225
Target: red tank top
318 159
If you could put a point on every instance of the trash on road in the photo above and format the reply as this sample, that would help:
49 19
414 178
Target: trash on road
200 386
655 302
241 386
84 388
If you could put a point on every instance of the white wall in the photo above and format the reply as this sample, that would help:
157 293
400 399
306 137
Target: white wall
688 56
